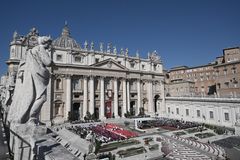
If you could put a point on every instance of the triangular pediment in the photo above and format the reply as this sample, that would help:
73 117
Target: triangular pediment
109 64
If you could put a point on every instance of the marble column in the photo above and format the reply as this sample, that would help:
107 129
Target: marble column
150 97
68 97
124 106
102 96
91 95
116 97
128 97
85 96
138 96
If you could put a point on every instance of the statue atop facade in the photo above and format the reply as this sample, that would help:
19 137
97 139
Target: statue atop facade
109 47
114 50
31 84
126 52
121 51
154 57
137 54
101 47
85 45
15 36
92 46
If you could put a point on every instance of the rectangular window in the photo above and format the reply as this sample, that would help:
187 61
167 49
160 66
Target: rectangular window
198 113
143 67
187 112
226 116
177 110
211 114
78 59
168 109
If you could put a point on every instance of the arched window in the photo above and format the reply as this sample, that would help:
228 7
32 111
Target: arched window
57 109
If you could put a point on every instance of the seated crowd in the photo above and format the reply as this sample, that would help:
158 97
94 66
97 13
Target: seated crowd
167 124
104 132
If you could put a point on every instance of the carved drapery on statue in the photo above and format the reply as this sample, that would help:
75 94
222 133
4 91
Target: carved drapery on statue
31 84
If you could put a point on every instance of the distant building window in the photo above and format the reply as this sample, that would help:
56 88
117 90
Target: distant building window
198 113
227 84
211 114
59 57
234 70
187 112
219 85
177 110
78 59
225 71
226 116
168 109
143 67
119 62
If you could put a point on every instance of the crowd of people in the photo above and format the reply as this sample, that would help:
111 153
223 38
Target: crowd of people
113 132
103 132
166 123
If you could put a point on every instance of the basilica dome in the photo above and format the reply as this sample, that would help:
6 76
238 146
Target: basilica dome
65 40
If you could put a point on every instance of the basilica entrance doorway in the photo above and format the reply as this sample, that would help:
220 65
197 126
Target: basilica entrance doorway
132 108
76 111
108 109
155 103
96 112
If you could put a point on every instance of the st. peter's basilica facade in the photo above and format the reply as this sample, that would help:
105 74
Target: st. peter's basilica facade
105 82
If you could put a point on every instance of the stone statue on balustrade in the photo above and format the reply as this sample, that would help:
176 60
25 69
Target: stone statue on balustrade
31 84
92 46
101 47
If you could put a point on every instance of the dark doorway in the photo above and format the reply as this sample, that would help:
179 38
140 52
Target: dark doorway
155 103
120 111
132 108
96 113
76 112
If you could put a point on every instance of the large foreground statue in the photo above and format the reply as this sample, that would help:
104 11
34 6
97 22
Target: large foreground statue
31 84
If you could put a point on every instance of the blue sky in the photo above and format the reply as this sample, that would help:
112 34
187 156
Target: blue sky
183 32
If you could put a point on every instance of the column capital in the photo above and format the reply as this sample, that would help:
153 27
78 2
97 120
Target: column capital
68 76
138 79
91 77
56 76
123 78
85 76
102 77
115 78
